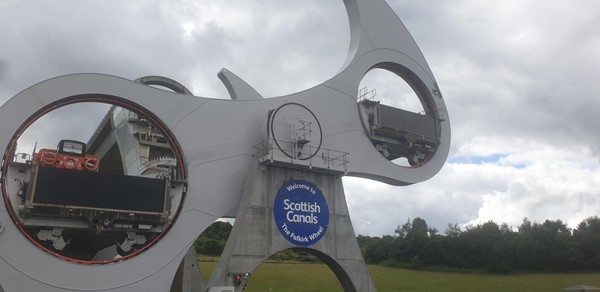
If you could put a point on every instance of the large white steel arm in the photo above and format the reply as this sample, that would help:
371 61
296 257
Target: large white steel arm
215 140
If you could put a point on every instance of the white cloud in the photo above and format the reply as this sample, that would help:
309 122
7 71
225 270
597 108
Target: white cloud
538 182
519 80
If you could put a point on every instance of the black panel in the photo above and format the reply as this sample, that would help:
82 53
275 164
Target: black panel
395 118
64 187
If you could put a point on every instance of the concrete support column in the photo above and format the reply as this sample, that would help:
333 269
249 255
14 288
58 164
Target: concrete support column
256 236
188 277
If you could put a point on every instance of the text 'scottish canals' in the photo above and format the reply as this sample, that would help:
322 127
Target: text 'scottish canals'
301 213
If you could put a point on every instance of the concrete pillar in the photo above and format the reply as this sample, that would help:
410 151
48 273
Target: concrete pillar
256 234
188 277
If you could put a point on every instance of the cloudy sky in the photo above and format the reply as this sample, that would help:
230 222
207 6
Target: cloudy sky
521 80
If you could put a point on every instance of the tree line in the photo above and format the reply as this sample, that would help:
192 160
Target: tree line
533 247
212 241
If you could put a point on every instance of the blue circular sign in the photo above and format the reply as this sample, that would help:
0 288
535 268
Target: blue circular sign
301 212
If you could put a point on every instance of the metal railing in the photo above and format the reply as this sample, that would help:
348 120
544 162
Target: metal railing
165 167
272 151
365 94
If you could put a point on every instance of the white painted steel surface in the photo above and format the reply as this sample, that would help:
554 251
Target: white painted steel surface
216 139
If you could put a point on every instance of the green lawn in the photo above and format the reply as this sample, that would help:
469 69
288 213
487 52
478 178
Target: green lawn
277 277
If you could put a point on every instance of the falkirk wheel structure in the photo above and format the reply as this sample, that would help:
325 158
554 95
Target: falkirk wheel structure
67 223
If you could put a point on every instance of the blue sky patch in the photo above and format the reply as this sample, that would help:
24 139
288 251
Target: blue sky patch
493 159
489 159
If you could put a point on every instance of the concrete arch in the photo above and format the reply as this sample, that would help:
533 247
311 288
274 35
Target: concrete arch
338 271
256 236
335 267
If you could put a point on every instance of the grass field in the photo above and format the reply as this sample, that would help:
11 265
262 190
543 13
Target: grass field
278 277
